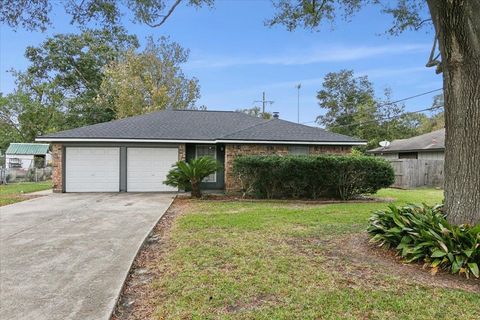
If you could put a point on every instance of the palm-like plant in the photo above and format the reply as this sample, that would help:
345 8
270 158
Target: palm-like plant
190 174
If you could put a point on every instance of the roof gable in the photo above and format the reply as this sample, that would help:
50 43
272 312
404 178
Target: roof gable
27 148
432 141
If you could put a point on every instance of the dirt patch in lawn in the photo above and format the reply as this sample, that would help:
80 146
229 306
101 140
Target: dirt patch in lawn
11 199
240 198
136 299
361 264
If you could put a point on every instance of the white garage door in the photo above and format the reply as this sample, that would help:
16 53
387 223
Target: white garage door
147 168
92 169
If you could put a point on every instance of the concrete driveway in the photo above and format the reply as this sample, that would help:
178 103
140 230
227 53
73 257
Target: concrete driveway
65 256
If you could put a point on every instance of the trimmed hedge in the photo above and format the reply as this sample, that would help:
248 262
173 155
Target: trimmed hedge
312 177
422 233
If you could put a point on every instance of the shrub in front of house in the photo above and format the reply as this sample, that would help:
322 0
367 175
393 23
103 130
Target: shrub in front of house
189 175
422 233
312 177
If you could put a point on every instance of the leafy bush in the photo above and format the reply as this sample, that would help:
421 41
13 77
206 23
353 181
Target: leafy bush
189 175
312 177
422 233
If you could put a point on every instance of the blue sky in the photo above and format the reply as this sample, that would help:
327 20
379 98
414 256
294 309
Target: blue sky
236 58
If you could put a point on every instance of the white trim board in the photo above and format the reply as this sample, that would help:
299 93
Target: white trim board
121 140
326 143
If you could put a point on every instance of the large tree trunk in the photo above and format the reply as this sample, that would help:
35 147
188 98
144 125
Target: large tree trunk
457 24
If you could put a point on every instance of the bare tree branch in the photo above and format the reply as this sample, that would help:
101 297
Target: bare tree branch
165 17
419 25
433 59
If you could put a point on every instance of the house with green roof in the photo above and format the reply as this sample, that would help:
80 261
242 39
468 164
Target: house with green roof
27 155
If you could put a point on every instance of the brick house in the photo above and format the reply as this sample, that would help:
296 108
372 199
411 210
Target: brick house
135 154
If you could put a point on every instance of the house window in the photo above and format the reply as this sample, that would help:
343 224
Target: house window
207 151
14 163
408 155
298 150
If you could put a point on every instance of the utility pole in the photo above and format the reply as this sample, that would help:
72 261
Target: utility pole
298 101
264 102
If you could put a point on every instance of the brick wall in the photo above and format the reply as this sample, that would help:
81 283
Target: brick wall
57 157
234 150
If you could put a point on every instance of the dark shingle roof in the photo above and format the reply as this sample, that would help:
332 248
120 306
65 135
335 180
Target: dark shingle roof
169 124
281 130
432 141
200 125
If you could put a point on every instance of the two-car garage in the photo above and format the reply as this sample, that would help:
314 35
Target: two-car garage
114 169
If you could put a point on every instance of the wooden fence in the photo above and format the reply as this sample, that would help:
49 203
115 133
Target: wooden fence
414 173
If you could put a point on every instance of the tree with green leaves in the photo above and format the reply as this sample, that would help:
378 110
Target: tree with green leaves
58 89
25 115
353 109
37 14
152 80
436 120
344 96
9 127
73 66
255 112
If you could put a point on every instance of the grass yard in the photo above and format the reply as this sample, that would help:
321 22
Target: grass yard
286 260
15 192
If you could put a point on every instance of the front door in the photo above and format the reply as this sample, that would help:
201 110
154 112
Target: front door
214 181
207 150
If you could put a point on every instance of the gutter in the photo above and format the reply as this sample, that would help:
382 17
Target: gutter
407 150
337 143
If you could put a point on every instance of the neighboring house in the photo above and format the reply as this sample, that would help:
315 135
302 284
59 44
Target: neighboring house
418 161
429 146
27 155
136 153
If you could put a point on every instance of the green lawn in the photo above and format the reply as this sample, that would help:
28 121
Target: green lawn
290 260
14 192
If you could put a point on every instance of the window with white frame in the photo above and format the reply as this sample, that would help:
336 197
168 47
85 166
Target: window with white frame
298 150
209 151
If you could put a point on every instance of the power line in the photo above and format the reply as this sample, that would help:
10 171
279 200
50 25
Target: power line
411 97
386 118
394 102
264 102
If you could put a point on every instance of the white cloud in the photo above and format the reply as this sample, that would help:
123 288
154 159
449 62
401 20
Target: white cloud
328 53
371 73
390 72
311 84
